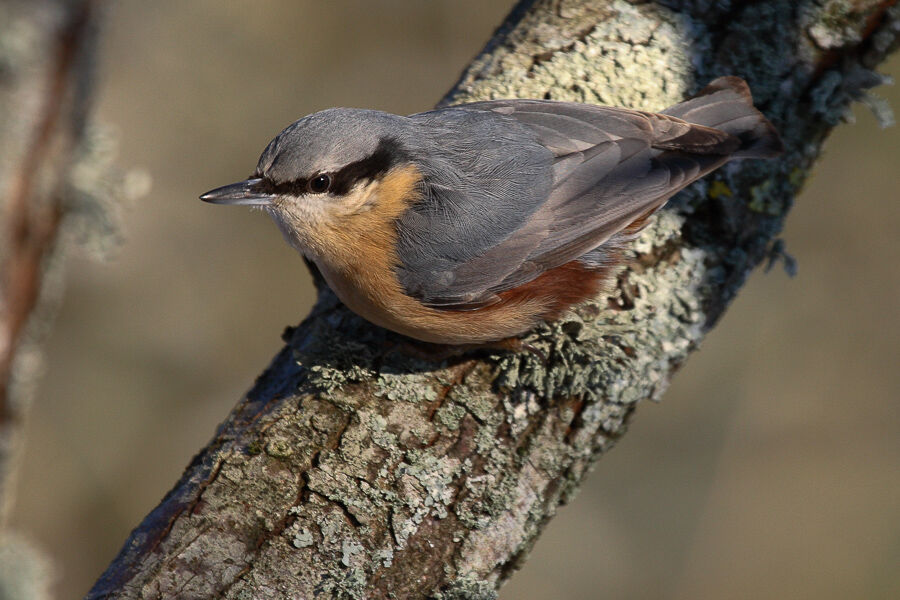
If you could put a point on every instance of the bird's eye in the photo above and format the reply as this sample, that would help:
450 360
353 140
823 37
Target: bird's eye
319 184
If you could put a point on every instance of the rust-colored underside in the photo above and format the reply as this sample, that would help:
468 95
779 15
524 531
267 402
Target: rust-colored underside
562 287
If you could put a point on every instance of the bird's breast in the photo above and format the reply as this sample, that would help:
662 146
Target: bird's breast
357 256
376 295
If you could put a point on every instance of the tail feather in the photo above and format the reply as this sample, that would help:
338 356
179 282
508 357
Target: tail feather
726 104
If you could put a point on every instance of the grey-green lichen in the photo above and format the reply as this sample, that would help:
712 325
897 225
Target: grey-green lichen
405 386
621 41
331 379
279 448
468 588
450 414
475 397
836 23
432 477
303 538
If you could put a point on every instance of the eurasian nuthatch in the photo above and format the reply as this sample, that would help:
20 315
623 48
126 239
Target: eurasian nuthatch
472 223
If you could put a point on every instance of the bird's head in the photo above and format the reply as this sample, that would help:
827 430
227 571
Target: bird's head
321 174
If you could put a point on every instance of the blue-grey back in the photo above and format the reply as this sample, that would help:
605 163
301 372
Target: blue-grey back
485 177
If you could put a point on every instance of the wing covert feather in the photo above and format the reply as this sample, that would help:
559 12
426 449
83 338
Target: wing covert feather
604 168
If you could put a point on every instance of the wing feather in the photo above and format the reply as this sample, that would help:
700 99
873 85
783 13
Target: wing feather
602 169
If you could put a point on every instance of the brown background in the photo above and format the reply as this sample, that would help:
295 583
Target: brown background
771 470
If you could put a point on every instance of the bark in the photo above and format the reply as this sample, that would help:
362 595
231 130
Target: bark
355 469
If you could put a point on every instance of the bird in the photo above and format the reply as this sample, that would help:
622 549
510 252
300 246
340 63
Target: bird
472 224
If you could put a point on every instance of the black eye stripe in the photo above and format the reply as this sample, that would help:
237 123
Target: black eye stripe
375 166
388 153
288 188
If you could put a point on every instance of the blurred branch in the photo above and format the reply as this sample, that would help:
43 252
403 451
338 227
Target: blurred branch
353 470
46 87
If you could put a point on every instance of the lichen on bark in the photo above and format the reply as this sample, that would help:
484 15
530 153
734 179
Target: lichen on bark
356 468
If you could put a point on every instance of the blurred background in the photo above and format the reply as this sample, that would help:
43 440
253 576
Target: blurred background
771 469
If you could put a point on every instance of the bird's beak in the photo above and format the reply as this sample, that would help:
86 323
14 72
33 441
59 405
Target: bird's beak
244 193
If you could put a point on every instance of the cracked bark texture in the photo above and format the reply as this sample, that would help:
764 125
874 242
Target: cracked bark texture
353 469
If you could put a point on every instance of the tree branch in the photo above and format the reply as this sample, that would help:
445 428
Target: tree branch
354 470
56 70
